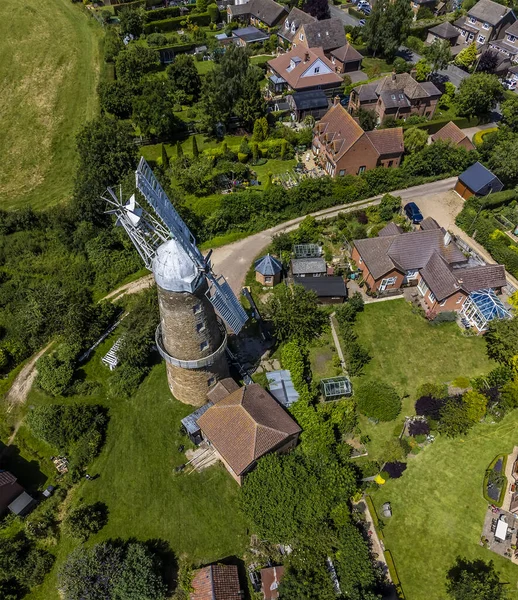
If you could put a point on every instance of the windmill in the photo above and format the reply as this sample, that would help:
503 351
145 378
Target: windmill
190 337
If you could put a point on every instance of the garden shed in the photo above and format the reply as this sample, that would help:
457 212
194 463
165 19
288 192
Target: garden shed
335 388
483 306
477 181
268 270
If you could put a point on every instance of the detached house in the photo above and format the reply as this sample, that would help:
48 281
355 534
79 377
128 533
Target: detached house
260 13
427 258
291 25
343 148
484 22
398 96
328 34
302 70
508 43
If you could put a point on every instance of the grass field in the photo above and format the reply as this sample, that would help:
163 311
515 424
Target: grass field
197 514
407 351
438 510
50 67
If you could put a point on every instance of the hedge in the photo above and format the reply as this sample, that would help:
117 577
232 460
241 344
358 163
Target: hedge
374 516
118 7
393 575
436 124
187 47
499 198
486 479
160 14
478 138
356 13
203 19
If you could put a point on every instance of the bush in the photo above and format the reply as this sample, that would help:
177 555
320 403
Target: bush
418 427
160 14
56 370
395 469
174 23
454 419
378 400
86 520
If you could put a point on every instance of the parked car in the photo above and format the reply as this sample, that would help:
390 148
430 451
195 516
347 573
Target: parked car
413 213
361 22
366 10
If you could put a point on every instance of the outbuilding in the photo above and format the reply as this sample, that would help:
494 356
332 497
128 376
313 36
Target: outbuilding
330 290
477 181
22 505
308 267
303 104
268 270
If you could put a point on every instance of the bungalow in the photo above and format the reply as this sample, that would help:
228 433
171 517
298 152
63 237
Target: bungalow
453 134
429 259
302 70
216 582
245 424
343 148
477 181
484 22
398 96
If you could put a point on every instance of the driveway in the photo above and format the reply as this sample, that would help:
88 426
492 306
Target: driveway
344 16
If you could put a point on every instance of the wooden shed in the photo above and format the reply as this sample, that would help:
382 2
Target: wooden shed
477 181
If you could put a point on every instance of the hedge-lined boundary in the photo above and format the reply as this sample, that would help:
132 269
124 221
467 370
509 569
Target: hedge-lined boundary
159 14
356 13
374 516
436 124
118 7
394 576
165 25
486 480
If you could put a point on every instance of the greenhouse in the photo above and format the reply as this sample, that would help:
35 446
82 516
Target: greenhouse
335 388
307 250
483 306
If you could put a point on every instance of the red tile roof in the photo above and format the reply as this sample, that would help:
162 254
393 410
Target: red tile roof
270 580
216 582
305 58
451 133
387 141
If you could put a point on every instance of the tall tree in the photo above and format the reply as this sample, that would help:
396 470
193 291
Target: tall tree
195 151
132 20
502 340
466 57
503 160
375 24
415 139
438 54
509 109
250 105
387 27
185 77
367 118
165 158
318 9
153 109
474 580
478 95
179 149
134 62
488 61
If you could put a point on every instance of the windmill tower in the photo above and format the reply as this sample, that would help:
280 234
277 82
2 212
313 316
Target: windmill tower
191 338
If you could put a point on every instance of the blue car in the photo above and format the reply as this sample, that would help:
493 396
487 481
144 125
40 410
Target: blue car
413 213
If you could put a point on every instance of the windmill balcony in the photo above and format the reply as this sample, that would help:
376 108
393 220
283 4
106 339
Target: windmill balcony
199 363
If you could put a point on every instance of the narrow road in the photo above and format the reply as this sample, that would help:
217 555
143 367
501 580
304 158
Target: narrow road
337 13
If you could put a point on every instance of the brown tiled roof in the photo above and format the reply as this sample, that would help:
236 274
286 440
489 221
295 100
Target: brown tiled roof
222 389
439 277
294 77
429 223
267 11
398 83
245 425
297 17
346 53
480 278
387 142
337 127
327 34
374 253
451 133
270 579
216 582
390 229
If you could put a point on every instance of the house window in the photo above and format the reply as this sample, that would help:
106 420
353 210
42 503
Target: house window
422 287
286 24
301 37
360 261
211 381
341 172
196 309
204 345
200 327
431 296
317 70
511 38
386 283
410 275
481 39
442 303
268 279
361 170
472 20
485 25
390 163
463 33
333 59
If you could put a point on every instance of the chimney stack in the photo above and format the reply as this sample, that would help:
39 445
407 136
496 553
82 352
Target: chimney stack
336 100
306 57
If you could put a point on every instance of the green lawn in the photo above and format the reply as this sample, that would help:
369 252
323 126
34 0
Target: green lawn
407 351
197 514
375 66
438 509
204 66
275 167
50 70
321 354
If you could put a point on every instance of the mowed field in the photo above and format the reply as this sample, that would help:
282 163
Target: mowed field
50 56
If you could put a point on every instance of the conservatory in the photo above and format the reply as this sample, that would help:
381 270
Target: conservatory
335 388
483 306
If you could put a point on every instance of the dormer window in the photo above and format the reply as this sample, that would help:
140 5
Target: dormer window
511 38
401 97
472 20
286 24
293 30
301 37
333 59
485 25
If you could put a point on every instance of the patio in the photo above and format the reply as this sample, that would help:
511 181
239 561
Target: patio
499 533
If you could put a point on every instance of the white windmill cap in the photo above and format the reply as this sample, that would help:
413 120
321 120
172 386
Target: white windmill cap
174 269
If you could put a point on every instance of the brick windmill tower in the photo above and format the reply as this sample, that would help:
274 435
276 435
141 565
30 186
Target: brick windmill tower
191 337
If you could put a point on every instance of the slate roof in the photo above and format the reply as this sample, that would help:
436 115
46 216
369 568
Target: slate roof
270 579
477 177
393 87
250 34
504 45
463 24
267 11
445 30
512 29
216 582
310 100
239 9
327 34
6 478
9 489
346 53
428 223
22 504
481 278
488 11
308 266
324 287
268 265
390 229
451 133
439 277
294 77
246 425
296 17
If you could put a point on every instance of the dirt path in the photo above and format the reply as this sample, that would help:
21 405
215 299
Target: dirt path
130 288
22 383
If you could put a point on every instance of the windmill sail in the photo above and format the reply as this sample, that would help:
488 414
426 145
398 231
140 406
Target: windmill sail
224 301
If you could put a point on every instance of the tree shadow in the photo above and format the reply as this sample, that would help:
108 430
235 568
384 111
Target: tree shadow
169 561
27 472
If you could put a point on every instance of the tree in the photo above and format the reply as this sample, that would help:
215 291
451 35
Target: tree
112 571
306 577
389 206
153 109
308 232
415 139
185 77
318 9
56 372
134 62
106 153
488 61
387 27
368 119
131 21
213 11
165 158
250 106
439 158
86 520
179 150
453 419
378 400
476 404
509 110
260 129
503 160
502 340
422 70
474 580
201 5
22 564
195 151
466 57
112 45
295 313
438 54
115 98
478 94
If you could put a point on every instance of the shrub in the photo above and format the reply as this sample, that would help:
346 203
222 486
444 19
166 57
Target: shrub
418 427
453 418
395 469
378 400
86 520
174 23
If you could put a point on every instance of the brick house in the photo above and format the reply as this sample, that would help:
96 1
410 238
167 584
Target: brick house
302 70
398 96
427 258
288 29
216 582
343 148
244 424
268 270
328 34
484 22
507 45
264 14
453 134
